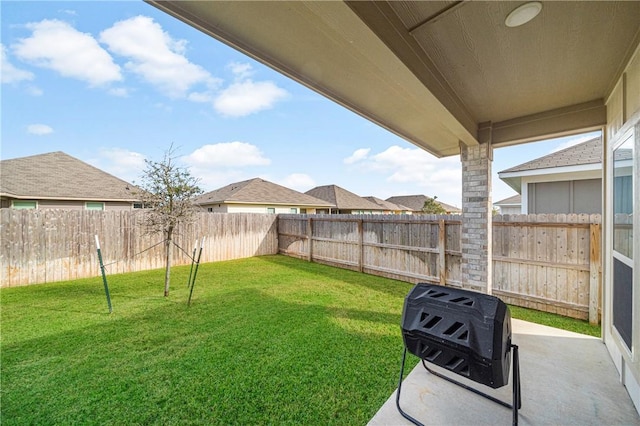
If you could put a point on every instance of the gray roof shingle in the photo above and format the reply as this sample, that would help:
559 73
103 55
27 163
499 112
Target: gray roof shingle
386 204
259 191
342 199
416 202
589 152
57 175
513 200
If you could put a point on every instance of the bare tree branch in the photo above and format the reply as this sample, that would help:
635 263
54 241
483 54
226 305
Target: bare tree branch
167 191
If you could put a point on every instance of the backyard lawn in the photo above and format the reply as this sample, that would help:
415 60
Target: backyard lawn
266 340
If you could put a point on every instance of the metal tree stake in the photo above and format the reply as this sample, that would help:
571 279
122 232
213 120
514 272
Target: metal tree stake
104 275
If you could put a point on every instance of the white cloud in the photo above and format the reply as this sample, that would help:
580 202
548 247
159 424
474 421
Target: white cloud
39 129
58 46
120 92
34 90
209 180
11 74
415 167
163 107
120 162
247 97
227 155
200 97
358 155
123 157
155 56
241 70
216 165
299 181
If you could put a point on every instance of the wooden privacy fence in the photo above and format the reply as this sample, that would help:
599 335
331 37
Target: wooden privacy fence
547 262
404 247
40 246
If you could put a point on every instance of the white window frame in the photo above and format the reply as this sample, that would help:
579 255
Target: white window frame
631 353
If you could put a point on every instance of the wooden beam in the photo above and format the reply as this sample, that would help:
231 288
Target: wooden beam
565 121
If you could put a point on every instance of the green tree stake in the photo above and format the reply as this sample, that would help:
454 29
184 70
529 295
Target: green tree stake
104 276
193 259
193 283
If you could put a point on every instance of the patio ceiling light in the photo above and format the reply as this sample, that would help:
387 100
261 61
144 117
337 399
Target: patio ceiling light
523 14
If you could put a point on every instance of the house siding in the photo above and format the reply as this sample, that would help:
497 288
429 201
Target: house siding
80 205
255 208
72 204
509 209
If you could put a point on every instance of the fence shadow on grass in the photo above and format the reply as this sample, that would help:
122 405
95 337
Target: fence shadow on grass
386 285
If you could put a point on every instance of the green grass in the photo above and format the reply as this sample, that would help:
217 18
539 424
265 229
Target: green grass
267 340
554 320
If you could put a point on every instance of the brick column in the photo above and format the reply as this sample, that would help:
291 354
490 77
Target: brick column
476 238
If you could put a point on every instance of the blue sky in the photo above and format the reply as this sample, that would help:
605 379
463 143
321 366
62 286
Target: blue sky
113 83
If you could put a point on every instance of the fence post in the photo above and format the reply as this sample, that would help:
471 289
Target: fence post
360 245
441 252
310 238
594 272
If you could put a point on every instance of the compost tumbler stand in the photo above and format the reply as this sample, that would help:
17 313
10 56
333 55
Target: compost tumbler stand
516 395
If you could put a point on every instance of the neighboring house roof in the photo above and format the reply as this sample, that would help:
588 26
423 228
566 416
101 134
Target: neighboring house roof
416 203
386 204
342 199
514 200
59 176
583 156
589 152
259 191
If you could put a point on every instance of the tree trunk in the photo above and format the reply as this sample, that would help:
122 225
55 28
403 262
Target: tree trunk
167 271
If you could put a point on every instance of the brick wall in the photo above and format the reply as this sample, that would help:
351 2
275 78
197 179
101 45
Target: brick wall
476 217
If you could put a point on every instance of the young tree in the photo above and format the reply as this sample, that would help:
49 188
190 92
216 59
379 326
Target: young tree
167 192
431 206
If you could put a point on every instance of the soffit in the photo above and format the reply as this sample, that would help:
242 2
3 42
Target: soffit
435 73
326 47
571 53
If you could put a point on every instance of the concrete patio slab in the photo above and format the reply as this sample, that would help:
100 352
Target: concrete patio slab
567 379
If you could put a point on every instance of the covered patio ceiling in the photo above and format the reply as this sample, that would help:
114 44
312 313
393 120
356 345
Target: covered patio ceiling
439 73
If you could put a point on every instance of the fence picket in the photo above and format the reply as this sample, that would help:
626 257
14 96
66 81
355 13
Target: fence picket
547 262
538 260
41 246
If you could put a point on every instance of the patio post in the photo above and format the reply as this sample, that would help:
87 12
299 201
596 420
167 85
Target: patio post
476 239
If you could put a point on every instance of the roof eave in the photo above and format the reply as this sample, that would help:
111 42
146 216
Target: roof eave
47 197
332 39
254 203
552 170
